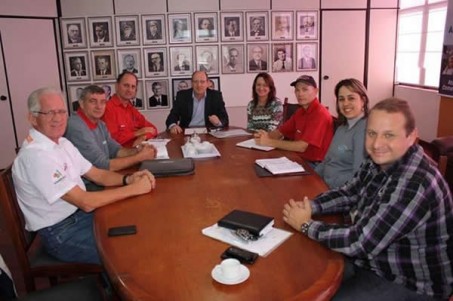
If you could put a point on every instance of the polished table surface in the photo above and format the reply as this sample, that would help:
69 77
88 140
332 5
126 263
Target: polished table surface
170 259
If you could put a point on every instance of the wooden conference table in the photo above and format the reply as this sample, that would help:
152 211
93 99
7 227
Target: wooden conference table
170 259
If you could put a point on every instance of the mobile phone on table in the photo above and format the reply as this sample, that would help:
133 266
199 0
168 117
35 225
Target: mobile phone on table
122 230
242 255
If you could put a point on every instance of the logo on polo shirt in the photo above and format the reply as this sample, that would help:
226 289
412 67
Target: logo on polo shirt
57 176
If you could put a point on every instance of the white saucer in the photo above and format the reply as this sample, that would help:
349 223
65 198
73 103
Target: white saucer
244 274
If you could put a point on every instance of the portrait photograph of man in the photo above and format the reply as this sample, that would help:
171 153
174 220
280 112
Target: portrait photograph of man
100 32
73 33
306 56
127 30
257 26
206 27
232 27
153 29
233 59
104 64
129 60
77 66
158 94
306 27
257 57
155 62
282 58
181 60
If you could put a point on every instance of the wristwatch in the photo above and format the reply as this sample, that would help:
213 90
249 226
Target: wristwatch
305 226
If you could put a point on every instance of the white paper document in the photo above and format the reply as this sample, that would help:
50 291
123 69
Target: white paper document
280 165
161 146
252 145
229 133
263 246
191 131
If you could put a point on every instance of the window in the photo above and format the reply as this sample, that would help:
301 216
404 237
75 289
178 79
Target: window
420 36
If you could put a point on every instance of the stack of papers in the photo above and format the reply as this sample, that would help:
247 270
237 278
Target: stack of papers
263 246
161 146
279 166
229 133
251 144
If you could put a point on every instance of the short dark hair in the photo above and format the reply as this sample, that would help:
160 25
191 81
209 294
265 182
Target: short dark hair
89 90
397 105
122 74
199 71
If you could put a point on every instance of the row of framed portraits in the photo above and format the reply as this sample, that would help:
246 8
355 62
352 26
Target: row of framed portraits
178 28
151 94
101 65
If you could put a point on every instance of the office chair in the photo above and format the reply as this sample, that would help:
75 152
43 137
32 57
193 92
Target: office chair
289 109
33 260
432 152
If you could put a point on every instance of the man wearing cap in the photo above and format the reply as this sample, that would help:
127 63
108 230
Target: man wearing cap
309 131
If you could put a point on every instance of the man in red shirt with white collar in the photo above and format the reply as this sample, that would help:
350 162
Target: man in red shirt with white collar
127 125
309 131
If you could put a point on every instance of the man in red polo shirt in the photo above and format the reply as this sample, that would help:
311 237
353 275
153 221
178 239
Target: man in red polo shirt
309 131
126 125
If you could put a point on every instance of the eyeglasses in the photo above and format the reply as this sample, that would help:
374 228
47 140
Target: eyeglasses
52 113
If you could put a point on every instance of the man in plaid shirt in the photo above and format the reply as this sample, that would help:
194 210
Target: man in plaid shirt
399 245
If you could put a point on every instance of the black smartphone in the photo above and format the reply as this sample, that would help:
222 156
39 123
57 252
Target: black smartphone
242 255
122 230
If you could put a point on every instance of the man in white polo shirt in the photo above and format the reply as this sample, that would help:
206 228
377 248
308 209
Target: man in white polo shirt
47 177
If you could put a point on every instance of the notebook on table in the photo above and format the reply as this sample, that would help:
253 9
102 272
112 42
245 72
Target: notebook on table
256 224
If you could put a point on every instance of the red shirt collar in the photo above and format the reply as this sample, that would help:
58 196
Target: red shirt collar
91 125
117 101
312 106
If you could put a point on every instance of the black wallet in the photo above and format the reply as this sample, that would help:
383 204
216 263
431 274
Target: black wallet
242 255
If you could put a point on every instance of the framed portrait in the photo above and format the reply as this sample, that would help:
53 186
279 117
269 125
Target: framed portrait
155 62
127 31
282 25
206 27
257 26
232 26
258 60
282 57
157 94
179 84
307 56
181 62
101 31
109 88
232 58
306 25
214 83
153 29
208 58
74 92
139 102
73 33
77 66
179 28
129 60
103 62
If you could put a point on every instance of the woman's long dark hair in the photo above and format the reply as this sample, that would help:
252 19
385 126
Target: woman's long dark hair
272 91
355 86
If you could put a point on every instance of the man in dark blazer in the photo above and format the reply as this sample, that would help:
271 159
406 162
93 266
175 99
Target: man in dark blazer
187 109
158 99
257 62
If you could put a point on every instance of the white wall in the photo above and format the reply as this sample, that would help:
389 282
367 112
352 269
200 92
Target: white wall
425 105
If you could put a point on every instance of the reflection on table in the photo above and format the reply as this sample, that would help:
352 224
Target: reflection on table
169 258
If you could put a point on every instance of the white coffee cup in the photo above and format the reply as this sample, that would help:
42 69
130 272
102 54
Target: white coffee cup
230 268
